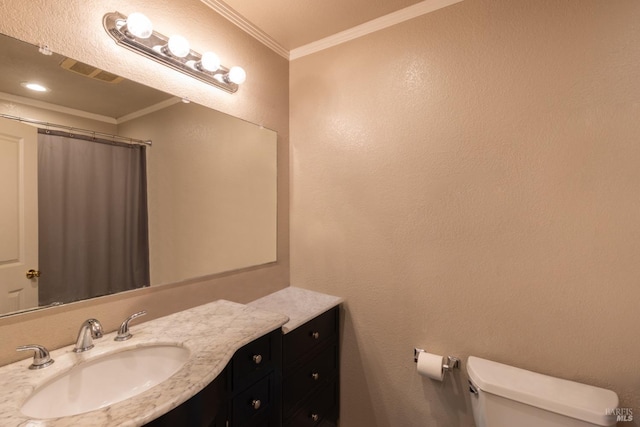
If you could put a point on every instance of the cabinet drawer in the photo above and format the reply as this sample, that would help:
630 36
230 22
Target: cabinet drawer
254 402
321 407
319 370
305 338
255 360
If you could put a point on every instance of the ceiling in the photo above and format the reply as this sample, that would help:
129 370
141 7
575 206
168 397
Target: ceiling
287 24
68 89
295 23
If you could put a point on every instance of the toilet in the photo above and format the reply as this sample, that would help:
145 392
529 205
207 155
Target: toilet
505 396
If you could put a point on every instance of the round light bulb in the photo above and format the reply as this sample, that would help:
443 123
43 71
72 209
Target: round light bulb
178 46
210 61
237 75
139 25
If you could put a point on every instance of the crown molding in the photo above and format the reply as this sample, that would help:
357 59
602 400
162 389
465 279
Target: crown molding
234 17
150 109
56 108
374 25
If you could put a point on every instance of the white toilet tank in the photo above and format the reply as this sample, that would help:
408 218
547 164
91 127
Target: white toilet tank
505 396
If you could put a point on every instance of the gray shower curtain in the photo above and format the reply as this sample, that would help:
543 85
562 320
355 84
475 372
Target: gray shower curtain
92 217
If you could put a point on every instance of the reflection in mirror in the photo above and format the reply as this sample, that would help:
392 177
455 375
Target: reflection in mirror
211 178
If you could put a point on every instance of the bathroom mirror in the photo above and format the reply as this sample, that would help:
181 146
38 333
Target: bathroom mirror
211 178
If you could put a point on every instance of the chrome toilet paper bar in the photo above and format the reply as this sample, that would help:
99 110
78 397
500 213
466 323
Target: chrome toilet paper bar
452 362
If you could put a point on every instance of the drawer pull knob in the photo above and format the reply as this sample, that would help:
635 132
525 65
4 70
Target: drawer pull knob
315 376
255 404
315 335
257 359
315 417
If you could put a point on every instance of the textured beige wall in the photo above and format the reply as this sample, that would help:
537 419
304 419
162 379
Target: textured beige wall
469 181
75 29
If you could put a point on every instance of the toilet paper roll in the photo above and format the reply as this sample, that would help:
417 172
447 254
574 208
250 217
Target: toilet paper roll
430 365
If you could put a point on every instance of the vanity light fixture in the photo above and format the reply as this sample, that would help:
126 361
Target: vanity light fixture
136 33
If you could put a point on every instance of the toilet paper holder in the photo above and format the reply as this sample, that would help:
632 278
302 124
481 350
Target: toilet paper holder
452 362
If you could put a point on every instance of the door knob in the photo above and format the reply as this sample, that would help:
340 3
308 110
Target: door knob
32 274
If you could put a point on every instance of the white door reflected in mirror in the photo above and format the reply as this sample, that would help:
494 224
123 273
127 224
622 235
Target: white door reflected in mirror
18 215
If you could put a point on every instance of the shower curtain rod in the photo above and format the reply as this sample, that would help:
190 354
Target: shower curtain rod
72 129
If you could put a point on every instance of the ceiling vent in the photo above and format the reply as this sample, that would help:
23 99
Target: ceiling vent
90 71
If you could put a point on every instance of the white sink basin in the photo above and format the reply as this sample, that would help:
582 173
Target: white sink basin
104 381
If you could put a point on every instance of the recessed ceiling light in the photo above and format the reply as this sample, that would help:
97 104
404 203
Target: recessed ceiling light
34 86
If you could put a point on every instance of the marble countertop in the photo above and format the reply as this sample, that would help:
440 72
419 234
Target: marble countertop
300 305
212 332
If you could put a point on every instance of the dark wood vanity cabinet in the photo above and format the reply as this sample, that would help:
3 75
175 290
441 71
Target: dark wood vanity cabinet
311 374
245 394
289 380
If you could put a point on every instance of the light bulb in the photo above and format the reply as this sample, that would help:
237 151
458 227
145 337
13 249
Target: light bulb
178 46
139 25
210 61
237 75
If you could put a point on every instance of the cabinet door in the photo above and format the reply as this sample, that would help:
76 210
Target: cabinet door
255 360
205 409
322 407
256 402
255 383
321 369
302 341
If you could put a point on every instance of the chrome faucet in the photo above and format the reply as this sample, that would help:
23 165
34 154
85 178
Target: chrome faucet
89 330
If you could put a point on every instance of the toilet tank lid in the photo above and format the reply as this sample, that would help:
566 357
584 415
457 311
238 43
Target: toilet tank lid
576 400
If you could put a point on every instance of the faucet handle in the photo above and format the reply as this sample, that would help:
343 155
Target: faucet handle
41 358
123 332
